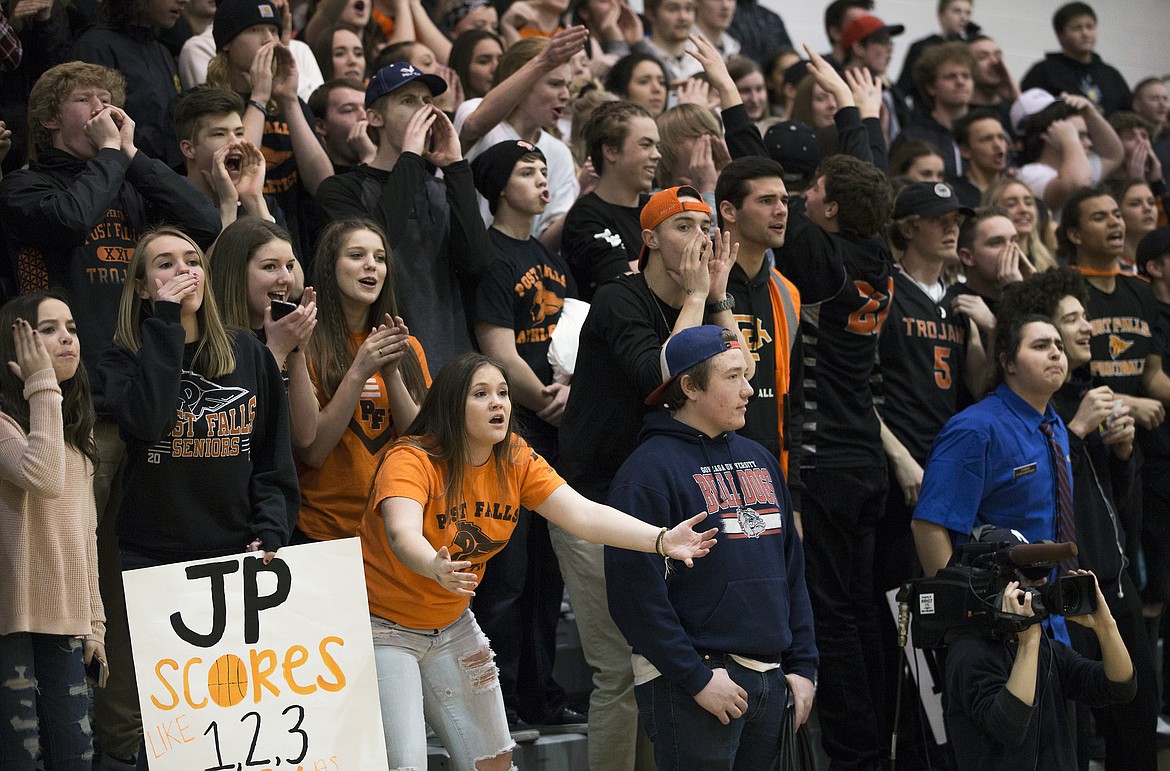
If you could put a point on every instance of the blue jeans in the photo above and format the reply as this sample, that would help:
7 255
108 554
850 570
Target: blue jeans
43 674
447 675
688 737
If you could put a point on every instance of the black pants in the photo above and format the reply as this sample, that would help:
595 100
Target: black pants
841 510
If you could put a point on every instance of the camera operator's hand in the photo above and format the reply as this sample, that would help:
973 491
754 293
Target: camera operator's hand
1115 657
1018 602
1101 616
1021 682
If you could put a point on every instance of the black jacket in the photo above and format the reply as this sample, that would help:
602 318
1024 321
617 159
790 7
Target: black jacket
152 83
440 244
72 224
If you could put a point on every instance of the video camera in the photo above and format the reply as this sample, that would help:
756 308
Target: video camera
964 597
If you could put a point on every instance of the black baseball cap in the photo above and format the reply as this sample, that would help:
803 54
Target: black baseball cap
1153 245
794 146
929 200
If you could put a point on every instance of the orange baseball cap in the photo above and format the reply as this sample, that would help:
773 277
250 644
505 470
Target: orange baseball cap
665 204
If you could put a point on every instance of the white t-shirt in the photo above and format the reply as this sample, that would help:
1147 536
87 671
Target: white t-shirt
1038 175
562 172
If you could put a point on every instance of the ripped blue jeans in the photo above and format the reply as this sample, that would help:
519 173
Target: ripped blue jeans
447 675
43 675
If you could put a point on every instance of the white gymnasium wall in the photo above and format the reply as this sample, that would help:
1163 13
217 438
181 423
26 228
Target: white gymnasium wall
1133 35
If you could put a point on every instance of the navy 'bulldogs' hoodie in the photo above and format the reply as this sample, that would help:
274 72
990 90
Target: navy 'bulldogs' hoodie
746 597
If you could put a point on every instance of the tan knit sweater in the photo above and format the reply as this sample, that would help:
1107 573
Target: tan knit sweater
48 549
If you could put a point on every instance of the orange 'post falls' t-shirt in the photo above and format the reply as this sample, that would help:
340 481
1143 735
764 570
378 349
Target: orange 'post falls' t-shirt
475 529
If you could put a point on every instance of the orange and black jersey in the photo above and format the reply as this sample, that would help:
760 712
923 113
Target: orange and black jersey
840 340
922 350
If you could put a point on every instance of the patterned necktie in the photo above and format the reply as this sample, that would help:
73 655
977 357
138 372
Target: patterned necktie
1066 526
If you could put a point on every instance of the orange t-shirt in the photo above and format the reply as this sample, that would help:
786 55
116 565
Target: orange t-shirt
526 32
333 497
474 530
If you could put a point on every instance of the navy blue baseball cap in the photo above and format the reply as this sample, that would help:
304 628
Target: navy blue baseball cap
394 76
686 349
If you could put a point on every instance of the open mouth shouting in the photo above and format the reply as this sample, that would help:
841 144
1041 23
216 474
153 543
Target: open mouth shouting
233 163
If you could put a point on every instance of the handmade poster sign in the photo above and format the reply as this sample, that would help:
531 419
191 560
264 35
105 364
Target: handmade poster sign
243 665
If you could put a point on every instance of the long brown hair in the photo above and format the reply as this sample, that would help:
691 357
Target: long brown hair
77 411
331 350
231 252
440 428
214 355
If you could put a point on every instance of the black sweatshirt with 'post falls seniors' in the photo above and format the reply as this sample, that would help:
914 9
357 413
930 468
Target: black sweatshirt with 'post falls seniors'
209 463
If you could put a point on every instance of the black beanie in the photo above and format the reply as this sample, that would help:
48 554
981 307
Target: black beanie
493 167
234 16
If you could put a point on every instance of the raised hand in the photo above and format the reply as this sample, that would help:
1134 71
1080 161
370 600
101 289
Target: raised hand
693 275
693 91
31 354
1077 102
260 74
826 76
719 266
176 288
700 170
973 307
294 330
255 546
445 148
555 409
563 46
360 143
102 132
125 126
394 343
252 170
285 78
716 69
867 91
223 192
5 140
416 137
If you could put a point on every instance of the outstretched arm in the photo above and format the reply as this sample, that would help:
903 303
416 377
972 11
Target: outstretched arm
598 523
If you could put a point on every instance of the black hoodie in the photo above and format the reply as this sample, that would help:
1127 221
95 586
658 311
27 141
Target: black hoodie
209 463
72 224
1100 83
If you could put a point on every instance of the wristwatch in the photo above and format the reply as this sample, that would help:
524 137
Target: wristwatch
726 304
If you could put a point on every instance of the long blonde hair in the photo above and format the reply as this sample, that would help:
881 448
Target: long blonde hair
1034 245
214 356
